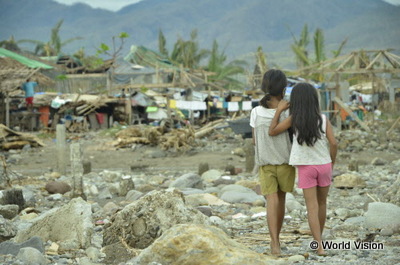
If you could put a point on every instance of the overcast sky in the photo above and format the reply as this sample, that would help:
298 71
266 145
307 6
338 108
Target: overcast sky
116 5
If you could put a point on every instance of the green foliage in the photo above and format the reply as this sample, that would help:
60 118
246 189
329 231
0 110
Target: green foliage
54 45
62 77
10 44
123 35
187 52
162 43
224 72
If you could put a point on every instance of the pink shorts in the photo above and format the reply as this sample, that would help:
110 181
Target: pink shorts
314 175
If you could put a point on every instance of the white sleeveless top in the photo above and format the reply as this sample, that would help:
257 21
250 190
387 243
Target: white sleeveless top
311 155
269 150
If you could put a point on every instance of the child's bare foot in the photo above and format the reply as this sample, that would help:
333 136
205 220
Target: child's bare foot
275 248
321 252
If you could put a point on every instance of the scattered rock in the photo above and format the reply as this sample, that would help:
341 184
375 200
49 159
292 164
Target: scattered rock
377 216
203 199
189 180
185 243
31 256
9 247
57 187
13 196
211 175
377 161
203 167
239 194
133 195
76 215
349 180
144 220
7 229
126 184
9 211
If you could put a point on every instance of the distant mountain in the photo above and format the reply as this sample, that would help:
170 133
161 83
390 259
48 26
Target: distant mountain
240 26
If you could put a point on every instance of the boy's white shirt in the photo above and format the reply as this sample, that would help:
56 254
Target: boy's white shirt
269 150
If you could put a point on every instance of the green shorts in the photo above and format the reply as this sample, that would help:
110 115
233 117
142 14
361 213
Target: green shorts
274 177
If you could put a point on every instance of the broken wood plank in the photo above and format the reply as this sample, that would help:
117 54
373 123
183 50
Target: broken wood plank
350 112
394 125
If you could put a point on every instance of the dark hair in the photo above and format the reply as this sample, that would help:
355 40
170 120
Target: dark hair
273 84
306 115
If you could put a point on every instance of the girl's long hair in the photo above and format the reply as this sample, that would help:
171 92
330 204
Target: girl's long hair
306 115
273 84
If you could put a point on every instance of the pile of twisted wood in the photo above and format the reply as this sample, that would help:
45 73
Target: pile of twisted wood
177 139
10 139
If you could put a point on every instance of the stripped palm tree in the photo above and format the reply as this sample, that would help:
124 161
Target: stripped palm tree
224 73
10 44
54 45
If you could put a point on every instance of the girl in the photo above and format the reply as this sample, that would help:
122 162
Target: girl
310 153
272 155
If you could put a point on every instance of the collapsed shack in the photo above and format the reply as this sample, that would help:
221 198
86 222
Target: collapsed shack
10 139
12 75
78 112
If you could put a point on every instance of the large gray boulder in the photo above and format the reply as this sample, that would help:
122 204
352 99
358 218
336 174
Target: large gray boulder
70 225
382 215
144 220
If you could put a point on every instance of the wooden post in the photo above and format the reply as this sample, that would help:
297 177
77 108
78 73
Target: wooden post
77 171
338 121
249 150
209 97
7 110
128 110
61 149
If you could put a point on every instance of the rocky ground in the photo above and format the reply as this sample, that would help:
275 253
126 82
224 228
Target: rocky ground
149 206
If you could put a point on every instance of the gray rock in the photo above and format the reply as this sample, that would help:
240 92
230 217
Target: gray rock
133 195
206 210
13 196
146 219
55 197
31 256
382 215
185 243
93 254
9 211
57 187
105 194
203 167
76 215
377 161
355 220
7 229
9 247
386 232
110 208
126 184
189 180
110 176
211 175
239 194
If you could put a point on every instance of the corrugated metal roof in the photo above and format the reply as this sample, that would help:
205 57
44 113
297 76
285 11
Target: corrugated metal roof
24 60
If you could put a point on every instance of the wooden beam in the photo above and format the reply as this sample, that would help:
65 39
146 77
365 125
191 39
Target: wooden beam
373 61
350 112
393 126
